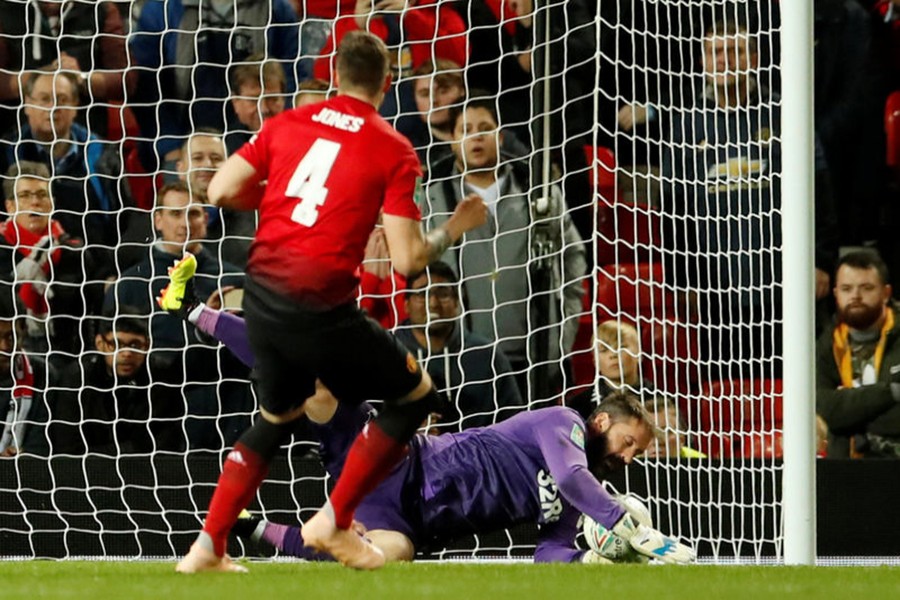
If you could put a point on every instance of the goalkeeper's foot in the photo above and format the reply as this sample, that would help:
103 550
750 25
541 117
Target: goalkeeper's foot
178 298
202 560
347 546
248 527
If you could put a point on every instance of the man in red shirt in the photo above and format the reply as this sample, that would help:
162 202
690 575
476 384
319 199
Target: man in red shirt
319 175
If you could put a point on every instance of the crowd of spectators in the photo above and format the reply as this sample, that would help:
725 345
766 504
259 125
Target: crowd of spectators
694 107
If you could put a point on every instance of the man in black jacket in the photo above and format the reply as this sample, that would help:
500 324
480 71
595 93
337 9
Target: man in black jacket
105 402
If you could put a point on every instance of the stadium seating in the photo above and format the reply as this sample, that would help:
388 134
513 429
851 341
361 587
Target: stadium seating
892 131
605 162
635 294
626 231
634 290
670 349
739 418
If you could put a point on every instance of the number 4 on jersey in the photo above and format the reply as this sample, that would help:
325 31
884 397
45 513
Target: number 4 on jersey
308 181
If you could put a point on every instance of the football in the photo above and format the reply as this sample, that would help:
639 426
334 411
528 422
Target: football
607 544
604 542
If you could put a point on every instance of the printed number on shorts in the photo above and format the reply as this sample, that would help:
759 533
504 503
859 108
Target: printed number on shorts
308 181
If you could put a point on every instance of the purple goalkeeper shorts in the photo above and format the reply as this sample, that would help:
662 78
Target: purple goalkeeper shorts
387 507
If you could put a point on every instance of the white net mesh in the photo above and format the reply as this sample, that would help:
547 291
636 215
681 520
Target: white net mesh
637 181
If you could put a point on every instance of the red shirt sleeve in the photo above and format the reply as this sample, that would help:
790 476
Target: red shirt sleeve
256 152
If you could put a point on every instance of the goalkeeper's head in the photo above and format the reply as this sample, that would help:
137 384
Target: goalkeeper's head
618 430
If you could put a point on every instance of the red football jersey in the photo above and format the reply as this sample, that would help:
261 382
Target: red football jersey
330 167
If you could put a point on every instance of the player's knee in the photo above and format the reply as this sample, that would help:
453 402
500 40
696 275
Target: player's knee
265 437
282 418
401 418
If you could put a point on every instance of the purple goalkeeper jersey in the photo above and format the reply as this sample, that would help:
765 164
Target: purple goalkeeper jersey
529 468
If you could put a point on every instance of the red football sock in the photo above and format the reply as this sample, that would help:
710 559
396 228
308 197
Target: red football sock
370 459
242 474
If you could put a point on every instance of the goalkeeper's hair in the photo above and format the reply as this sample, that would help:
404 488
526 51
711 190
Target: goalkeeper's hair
23 168
362 62
865 260
622 405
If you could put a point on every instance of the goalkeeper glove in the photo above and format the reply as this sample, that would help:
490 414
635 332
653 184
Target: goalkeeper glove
652 543
637 509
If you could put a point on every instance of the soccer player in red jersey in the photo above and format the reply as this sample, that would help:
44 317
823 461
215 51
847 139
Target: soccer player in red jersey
319 175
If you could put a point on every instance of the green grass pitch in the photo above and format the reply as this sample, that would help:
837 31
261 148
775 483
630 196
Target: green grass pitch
457 581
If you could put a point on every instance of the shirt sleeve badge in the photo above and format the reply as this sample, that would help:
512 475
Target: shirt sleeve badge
577 436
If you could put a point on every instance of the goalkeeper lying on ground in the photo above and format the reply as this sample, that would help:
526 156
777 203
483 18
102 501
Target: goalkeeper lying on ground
541 466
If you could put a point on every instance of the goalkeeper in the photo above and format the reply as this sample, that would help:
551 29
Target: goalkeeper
541 466
493 478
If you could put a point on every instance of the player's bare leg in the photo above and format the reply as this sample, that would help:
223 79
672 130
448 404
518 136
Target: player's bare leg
347 546
201 559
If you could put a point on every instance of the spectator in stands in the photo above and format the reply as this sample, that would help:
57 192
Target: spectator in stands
849 108
722 193
858 363
414 30
258 94
672 441
201 156
438 88
474 377
380 286
105 402
501 35
887 13
517 272
85 39
617 357
183 74
23 381
229 232
181 223
84 168
317 24
54 275
312 91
